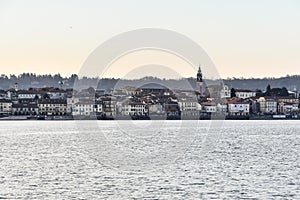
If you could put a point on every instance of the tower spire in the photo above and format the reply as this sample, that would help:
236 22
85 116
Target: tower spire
199 74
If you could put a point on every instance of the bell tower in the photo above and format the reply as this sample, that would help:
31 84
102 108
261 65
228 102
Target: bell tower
199 83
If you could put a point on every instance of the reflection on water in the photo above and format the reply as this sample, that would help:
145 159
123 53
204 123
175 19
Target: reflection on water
64 160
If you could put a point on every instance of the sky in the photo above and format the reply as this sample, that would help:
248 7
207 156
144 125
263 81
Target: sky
254 38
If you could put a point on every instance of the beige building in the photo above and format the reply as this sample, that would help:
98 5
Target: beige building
52 107
70 104
5 106
108 106
267 105
290 100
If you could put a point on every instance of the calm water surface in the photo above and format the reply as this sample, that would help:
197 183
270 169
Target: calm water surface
149 160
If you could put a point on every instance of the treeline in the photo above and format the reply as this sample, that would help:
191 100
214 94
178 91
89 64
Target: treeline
290 82
31 80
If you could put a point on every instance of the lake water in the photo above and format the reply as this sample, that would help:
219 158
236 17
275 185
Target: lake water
149 160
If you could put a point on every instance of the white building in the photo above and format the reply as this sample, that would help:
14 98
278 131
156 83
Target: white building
238 108
189 106
135 108
57 94
225 92
83 108
287 108
244 94
209 107
155 109
222 107
28 94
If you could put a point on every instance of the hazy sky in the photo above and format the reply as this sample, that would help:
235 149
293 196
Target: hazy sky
254 38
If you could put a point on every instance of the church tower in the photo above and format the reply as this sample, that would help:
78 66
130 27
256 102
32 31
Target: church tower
199 83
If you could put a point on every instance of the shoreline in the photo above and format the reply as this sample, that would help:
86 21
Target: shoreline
70 118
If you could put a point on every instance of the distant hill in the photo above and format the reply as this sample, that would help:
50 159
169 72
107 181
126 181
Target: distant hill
292 83
30 80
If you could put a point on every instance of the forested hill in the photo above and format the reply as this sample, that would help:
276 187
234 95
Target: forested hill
290 82
29 80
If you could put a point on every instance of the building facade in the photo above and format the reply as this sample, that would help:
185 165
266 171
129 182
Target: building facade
52 107
5 106
238 108
244 94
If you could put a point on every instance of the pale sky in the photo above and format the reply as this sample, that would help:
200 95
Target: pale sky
254 38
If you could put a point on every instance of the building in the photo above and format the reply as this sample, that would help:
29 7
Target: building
288 108
267 105
238 108
254 106
5 106
172 110
135 109
129 90
98 108
71 101
209 107
214 91
244 94
56 93
27 94
84 108
108 107
190 108
288 99
52 107
156 109
225 92
25 109
222 107
293 94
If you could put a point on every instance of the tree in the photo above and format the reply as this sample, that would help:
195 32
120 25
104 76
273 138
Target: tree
284 92
259 93
46 96
36 97
232 93
268 90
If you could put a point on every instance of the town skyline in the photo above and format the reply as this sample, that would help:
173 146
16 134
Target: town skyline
150 100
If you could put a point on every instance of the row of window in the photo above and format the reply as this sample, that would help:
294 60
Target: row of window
50 109
1 107
52 105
